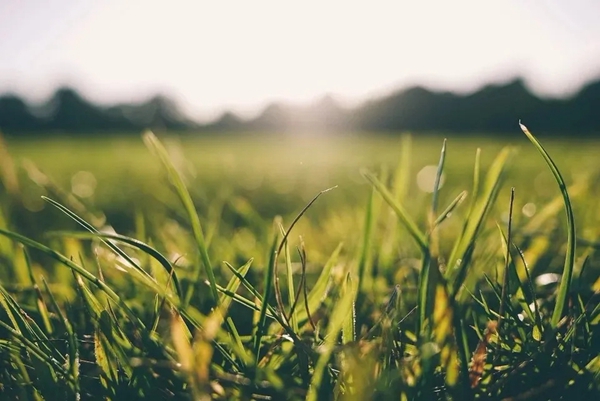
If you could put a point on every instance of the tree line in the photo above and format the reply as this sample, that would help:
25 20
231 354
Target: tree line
494 109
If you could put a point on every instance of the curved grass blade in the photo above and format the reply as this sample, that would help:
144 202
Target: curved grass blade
145 279
159 150
92 229
319 291
160 258
565 283
77 269
271 312
280 248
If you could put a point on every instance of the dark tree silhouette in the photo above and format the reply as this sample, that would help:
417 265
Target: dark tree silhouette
494 109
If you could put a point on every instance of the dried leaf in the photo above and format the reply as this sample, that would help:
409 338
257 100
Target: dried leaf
480 354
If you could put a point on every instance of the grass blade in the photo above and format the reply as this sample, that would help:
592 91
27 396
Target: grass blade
268 284
319 291
280 248
507 263
402 214
364 262
164 262
159 150
349 327
92 229
450 208
234 283
339 315
438 178
480 208
428 281
567 273
77 269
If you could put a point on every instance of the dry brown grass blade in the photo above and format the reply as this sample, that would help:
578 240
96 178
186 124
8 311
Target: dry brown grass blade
480 354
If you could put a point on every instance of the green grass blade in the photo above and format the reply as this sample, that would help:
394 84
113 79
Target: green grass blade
77 269
26 326
160 258
402 214
268 288
290 281
476 179
232 286
508 262
159 150
320 290
244 301
438 178
280 248
92 229
339 315
35 351
349 327
104 359
450 208
537 318
234 283
474 222
428 280
510 278
271 312
565 283
364 262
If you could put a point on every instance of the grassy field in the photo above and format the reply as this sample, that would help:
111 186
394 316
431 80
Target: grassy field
138 266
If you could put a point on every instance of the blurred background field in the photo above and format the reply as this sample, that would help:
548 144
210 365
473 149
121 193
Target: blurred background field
241 183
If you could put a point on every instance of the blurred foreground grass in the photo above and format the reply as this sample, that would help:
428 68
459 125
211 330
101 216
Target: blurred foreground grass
370 297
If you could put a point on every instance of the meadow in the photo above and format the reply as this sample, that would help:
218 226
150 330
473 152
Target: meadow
344 267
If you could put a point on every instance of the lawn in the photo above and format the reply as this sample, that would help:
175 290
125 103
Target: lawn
198 267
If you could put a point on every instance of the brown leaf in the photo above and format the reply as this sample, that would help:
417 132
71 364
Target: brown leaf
480 354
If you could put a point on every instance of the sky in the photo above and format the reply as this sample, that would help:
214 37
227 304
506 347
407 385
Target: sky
213 56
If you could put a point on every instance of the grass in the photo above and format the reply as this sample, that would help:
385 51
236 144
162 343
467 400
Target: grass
199 269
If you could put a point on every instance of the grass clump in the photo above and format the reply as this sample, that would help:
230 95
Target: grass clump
459 304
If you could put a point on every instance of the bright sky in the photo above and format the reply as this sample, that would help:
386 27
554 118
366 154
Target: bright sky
240 55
